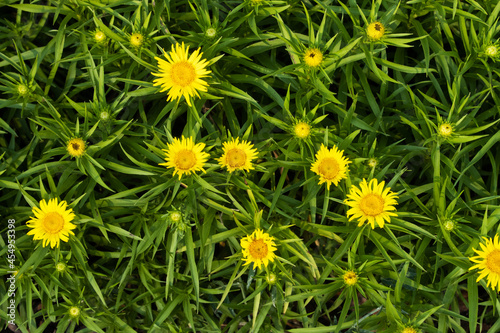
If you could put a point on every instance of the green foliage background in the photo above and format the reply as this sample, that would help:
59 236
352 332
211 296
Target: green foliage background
129 268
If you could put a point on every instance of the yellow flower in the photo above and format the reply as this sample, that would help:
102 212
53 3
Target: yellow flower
350 278
488 262
313 57
99 36
74 312
330 165
372 203
52 222
258 248
409 329
182 75
445 130
136 39
237 155
185 156
375 30
76 147
302 130
491 51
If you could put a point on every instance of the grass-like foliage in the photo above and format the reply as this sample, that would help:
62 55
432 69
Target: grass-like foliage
250 166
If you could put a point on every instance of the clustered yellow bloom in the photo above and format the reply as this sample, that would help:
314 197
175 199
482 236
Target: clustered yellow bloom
313 57
375 30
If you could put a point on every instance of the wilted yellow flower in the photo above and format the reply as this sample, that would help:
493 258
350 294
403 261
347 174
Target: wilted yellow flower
445 130
350 278
136 39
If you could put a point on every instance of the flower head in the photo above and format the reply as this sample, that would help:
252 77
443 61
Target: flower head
271 278
330 165
99 37
237 155
375 30
136 39
60 267
491 51
74 312
76 147
488 262
22 90
52 222
182 75
211 33
371 202
302 130
409 329
185 156
350 278
449 225
313 57
445 130
258 248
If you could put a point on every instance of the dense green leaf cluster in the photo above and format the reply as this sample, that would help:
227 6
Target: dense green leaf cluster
416 108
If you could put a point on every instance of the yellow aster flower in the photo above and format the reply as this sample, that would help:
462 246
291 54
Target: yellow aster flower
302 130
76 147
375 30
136 39
52 222
182 75
237 155
185 156
372 203
258 248
488 262
313 57
445 130
350 278
330 165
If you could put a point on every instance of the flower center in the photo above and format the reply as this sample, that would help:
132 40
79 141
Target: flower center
53 222
491 50
329 168
185 160
302 130
75 146
236 158
183 73
99 36
445 129
350 278
258 249
378 27
372 204
493 261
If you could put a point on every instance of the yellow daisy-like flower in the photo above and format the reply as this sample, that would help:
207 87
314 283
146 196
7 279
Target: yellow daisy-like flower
488 262
313 57
375 30
330 165
445 130
409 329
185 156
52 222
258 248
136 39
302 130
182 75
76 147
237 155
350 278
372 203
